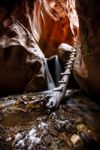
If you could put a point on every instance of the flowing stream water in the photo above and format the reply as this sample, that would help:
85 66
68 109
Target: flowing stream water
58 70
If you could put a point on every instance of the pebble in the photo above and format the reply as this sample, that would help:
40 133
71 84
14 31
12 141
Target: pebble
18 137
81 128
84 137
88 136
75 139
65 125
42 125
30 147
59 125
78 120
32 131
33 137
9 139
20 144
35 140
70 127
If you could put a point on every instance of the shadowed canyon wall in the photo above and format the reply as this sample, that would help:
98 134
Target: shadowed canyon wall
87 64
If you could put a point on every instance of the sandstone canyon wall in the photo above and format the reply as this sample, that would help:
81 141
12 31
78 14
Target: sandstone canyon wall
25 24
87 64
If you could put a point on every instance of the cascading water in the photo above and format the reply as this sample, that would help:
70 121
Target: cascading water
50 82
38 54
58 70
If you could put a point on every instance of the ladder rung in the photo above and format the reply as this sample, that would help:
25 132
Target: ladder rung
65 73
64 82
57 89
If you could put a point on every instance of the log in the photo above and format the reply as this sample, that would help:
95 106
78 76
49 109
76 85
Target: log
59 92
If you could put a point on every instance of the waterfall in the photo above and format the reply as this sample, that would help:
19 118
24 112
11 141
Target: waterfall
58 70
35 50
50 82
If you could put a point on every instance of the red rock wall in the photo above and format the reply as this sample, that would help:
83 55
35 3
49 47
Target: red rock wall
48 20
54 24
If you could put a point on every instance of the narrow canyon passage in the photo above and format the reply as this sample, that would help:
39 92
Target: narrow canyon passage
49 75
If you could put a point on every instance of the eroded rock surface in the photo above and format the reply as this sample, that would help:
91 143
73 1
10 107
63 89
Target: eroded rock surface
22 24
86 67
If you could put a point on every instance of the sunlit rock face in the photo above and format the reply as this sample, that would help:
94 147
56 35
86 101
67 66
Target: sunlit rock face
23 26
87 64
56 22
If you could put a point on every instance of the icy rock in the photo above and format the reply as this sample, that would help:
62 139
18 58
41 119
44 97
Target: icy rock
42 125
75 139
33 137
20 144
35 140
9 139
32 131
18 137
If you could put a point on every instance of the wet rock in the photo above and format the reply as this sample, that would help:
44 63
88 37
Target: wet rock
30 147
54 146
40 132
88 136
70 127
59 125
52 131
20 144
64 52
53 115
76 140
91 134
81 128
43 125
84 137
33 137
64 137
9 139
79 120
41 147
32 131
18 137
65 125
